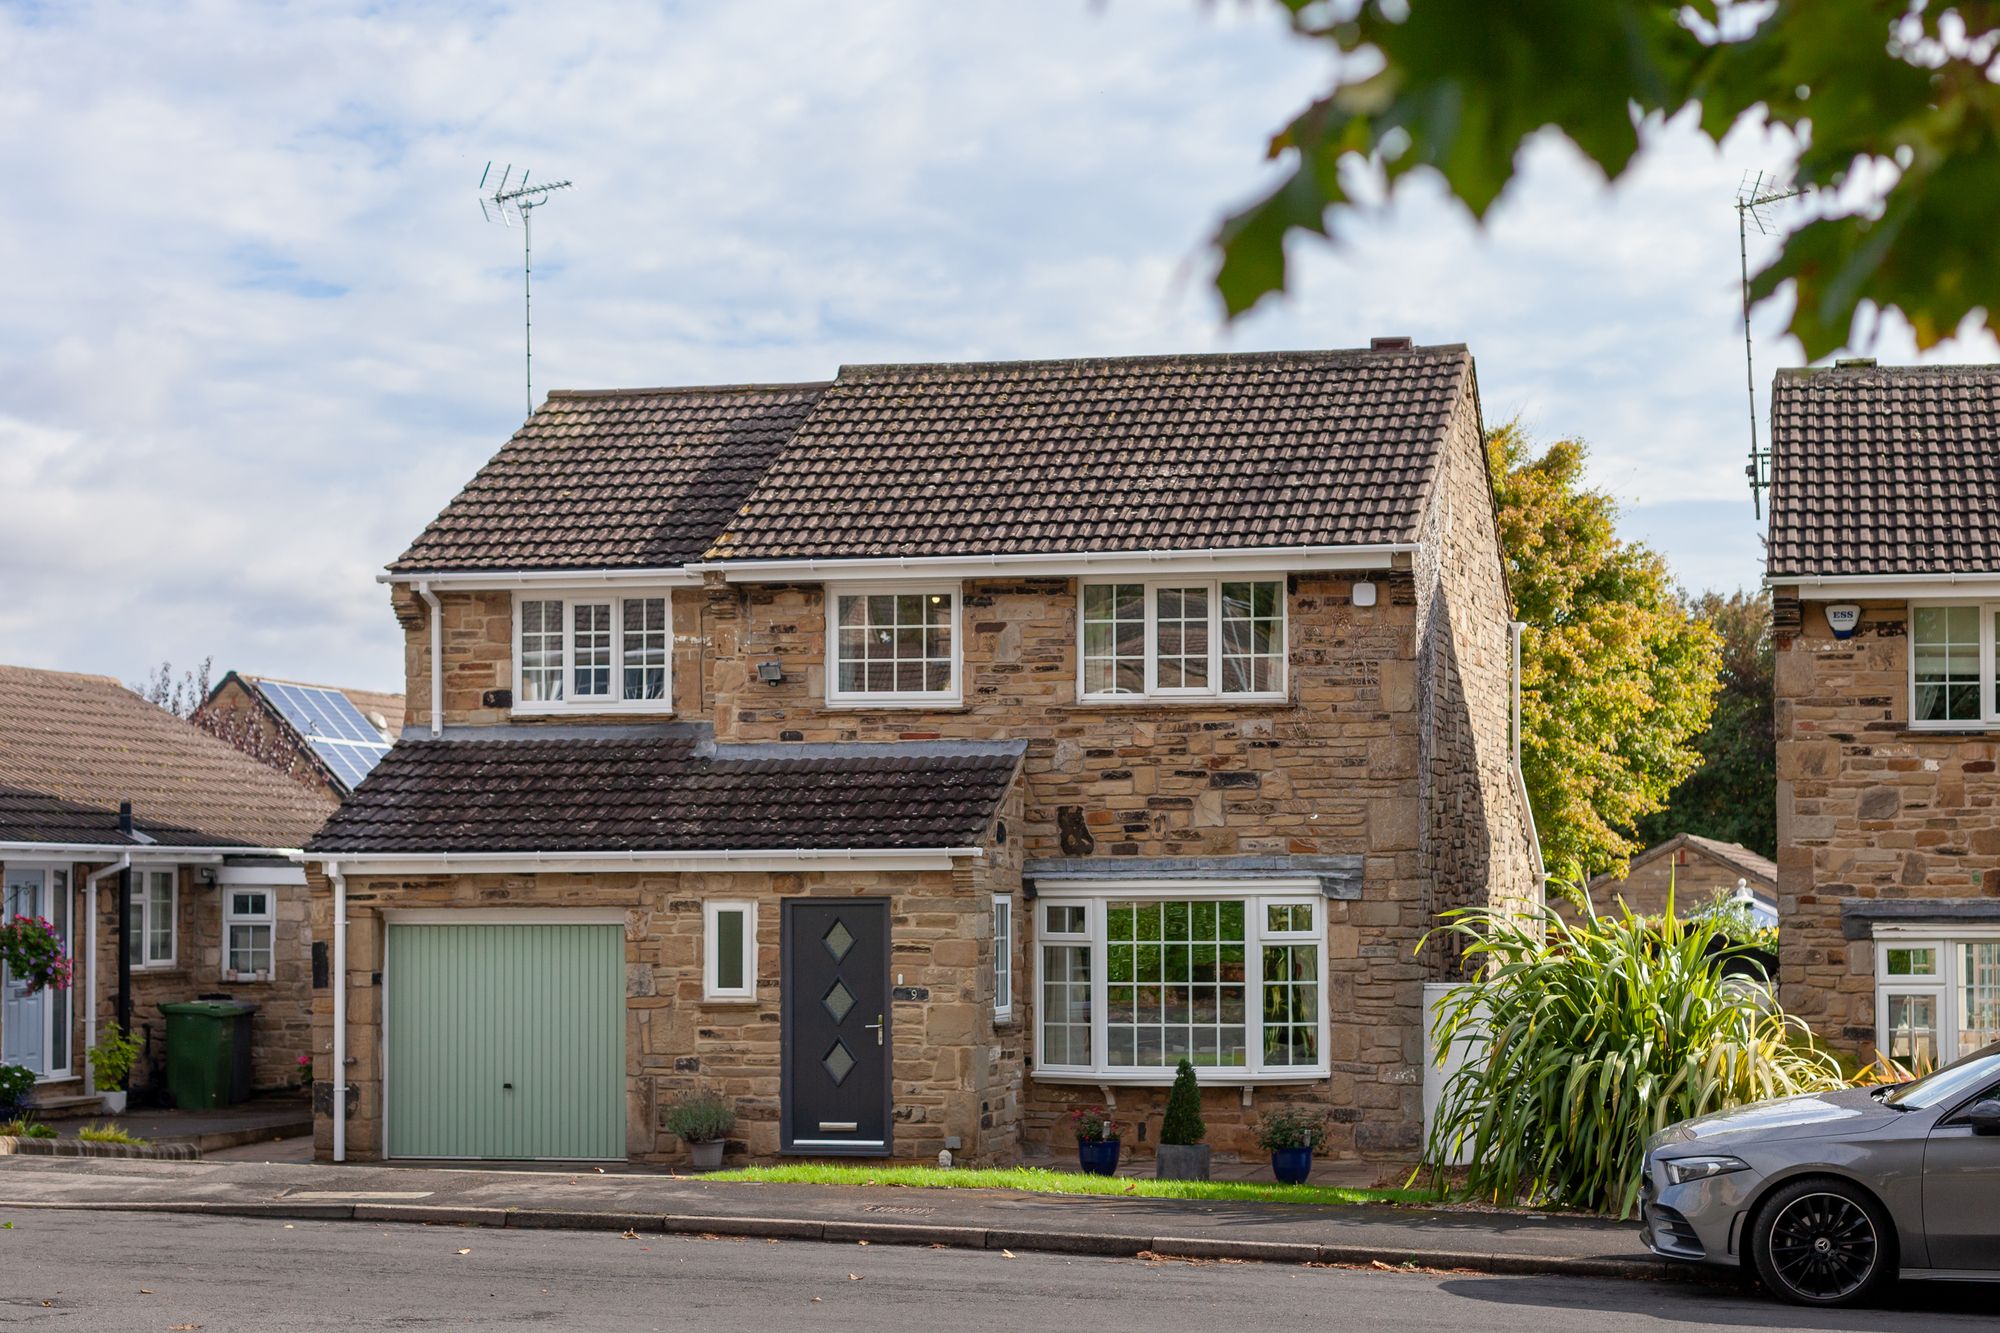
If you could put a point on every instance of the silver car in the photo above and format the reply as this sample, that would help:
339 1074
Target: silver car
1827 1196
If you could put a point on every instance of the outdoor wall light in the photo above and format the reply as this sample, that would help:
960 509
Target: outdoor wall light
1364 593
770 672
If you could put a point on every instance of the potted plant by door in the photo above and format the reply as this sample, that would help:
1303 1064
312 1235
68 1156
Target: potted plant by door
111 1062
1182 1154
16 1082
703 1122
1096 1140
1291 1135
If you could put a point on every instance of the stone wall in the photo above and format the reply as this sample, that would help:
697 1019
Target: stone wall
1868 809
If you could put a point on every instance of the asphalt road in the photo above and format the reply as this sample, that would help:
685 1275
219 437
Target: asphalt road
111 1272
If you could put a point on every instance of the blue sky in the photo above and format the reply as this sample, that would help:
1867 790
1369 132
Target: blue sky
256 332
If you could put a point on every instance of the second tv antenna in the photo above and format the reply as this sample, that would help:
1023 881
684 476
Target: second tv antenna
514 201
1754 196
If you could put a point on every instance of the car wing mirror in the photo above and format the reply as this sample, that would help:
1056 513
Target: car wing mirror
1983 1115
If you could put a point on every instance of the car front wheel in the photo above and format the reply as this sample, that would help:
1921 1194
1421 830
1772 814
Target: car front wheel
1822 1242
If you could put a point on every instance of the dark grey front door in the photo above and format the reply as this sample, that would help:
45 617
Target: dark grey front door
836 1030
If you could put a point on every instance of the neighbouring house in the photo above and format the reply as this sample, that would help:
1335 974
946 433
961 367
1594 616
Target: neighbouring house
1884 570
322 734
915 757
1694 869
101 793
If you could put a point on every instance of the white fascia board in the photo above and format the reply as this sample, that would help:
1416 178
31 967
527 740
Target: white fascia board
148 854
239 876
1980 584
496 580
775 861
1228 560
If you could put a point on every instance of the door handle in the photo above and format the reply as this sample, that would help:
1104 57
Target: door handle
876 1028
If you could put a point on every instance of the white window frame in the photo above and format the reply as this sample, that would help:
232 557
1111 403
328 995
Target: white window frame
614 702
711 958
836 697
1944 986
1092 895
1213 691
267 918
1003 957
143 901
1989 705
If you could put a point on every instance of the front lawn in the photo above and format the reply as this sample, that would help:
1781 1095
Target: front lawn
1036 1180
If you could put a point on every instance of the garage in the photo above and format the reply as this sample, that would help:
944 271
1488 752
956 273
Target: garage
505 1039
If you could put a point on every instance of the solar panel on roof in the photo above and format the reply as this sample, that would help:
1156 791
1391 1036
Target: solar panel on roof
342 738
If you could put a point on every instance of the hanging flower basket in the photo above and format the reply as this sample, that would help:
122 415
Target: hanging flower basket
33 955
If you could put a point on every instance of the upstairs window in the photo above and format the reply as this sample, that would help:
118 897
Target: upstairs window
1951 665
578 653
893 646
1183 638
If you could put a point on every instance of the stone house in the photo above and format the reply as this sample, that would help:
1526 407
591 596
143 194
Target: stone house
1693 869
1884 570
323 735
97 786
915 757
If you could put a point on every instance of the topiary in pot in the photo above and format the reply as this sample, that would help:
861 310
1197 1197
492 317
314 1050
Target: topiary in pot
1182 1154
703 1122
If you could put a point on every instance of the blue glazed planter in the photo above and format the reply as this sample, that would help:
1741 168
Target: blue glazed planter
1291 1165
1099 1158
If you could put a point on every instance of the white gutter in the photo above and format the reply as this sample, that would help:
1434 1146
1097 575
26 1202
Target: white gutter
153 854
437 657
738 860
90 967
670 576
1980 583
339 1080
1220 559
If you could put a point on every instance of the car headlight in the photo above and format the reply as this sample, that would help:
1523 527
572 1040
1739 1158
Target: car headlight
1680 1170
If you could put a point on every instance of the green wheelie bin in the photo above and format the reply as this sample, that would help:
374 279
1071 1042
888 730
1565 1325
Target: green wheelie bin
208 1052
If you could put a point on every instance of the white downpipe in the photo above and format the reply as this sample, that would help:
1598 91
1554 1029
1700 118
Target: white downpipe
1517 627
437 659
90 965
339 881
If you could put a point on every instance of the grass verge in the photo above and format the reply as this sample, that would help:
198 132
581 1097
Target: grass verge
1036 1180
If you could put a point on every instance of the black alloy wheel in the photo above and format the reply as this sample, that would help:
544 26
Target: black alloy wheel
1821 1243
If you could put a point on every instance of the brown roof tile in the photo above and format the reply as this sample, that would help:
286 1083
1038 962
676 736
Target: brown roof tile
72 747
1885 470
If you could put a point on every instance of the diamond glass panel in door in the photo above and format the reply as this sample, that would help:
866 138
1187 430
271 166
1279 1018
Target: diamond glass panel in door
1114 638
1911 1023
1175 984
1945 643
646 648
541 652
1979 995
838 940
1180 632
1253 637
839 1001
839 1063
591 637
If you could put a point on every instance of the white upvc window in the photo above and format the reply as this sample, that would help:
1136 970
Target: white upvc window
584 652
1952 664
1132 976
150 937
893 645
249 933
1003 956
1937 993
1181 639
729 951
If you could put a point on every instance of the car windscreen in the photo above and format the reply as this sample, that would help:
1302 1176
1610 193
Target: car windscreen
1960 1077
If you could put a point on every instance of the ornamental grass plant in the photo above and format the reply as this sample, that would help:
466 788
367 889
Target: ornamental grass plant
1583 1040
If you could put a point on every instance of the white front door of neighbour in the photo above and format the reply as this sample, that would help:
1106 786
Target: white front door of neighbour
34 1028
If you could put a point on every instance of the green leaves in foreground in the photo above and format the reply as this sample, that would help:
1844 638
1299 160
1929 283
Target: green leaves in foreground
1892 95
1585 1040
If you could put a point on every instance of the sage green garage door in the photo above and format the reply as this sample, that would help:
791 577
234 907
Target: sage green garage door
506 1041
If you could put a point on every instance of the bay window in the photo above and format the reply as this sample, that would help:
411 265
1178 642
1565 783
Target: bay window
1952 665
1937 996
893 646
586 653
1182 638
1135 976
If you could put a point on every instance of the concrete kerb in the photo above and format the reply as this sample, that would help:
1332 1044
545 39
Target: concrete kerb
894 1233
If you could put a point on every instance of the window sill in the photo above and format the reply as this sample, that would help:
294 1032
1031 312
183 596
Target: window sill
952 705
1180 702
229 979
730 1002
649 709
1165 1078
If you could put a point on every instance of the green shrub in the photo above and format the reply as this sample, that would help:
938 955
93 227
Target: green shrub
702 1118
16 1082
1182 1123
25 1129
1292 1127
111 1060
109 1134
1585 1040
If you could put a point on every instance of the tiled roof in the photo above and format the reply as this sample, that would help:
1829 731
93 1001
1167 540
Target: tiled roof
666 793
634 478
1761 871
1126 453
72 747
1885 470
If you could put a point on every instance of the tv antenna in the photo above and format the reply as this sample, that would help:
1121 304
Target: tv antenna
513 201
1757 192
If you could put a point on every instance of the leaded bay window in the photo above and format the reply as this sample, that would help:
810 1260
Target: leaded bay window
896 646
588 653
1183 638
1133 978
1936 997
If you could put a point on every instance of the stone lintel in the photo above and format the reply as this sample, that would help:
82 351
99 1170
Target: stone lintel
1860 916
1339 876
